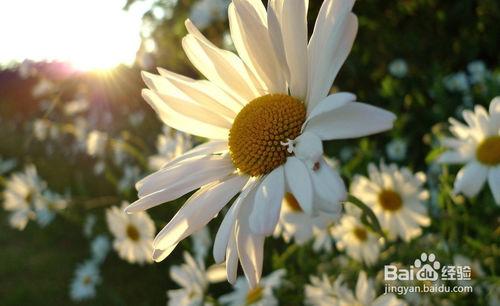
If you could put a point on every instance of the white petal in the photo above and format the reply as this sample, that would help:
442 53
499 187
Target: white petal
181 122
198 210
204 92
267 207
171 183
227 225
294 29
274 20
160 255
251 38
470 179
184 104
331 103
299 183
250 246
330 43
222 67
232 259
208 148
351 121
494 182
329 188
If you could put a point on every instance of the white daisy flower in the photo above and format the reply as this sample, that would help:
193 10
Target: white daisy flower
398 68
261 295
46 209
170 144
396 197
96 143
356 239
194 280
295 224
323 293
263 141
133 234
99 248
477 145
41 129
23 192
76 106
83 286
43 88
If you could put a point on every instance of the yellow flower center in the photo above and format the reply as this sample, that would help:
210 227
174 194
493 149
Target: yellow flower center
292 202
254 295
87 280
132 232
390 200
255 139
360 233
488 152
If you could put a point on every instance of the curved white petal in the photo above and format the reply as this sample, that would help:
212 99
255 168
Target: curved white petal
182 122
267 207
198 210
223 68
299 183
232 259
331 103
204 92
494 182
208 148
227 226
274 21
248 24
351 121
294 30
329 188
470 179
330 44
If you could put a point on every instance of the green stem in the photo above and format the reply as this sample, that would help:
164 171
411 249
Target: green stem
367 214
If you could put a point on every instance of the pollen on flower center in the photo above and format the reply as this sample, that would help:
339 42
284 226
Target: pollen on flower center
255 139
488 152
360 233
254 295
390 200
132 232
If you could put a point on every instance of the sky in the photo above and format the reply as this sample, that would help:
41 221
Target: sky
89 34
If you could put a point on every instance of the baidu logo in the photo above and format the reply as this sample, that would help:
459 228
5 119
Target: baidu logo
425 268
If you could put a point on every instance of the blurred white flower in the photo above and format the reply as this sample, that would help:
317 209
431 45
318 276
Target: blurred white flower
201 243
396 149
170 144
398 68
136 118
96 143
261 295
83 286
322 292
26 69
43 88
204 12
119 152
99 167
46 209
41 129
76 106
356 239
99 248
193 279
295 224
88 225
477 71
133 234
346 153
477 145
23 192
457 82
131 174
396 197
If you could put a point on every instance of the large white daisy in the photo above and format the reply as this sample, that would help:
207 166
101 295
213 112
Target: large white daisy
477 145
133 234
266 113
397 197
